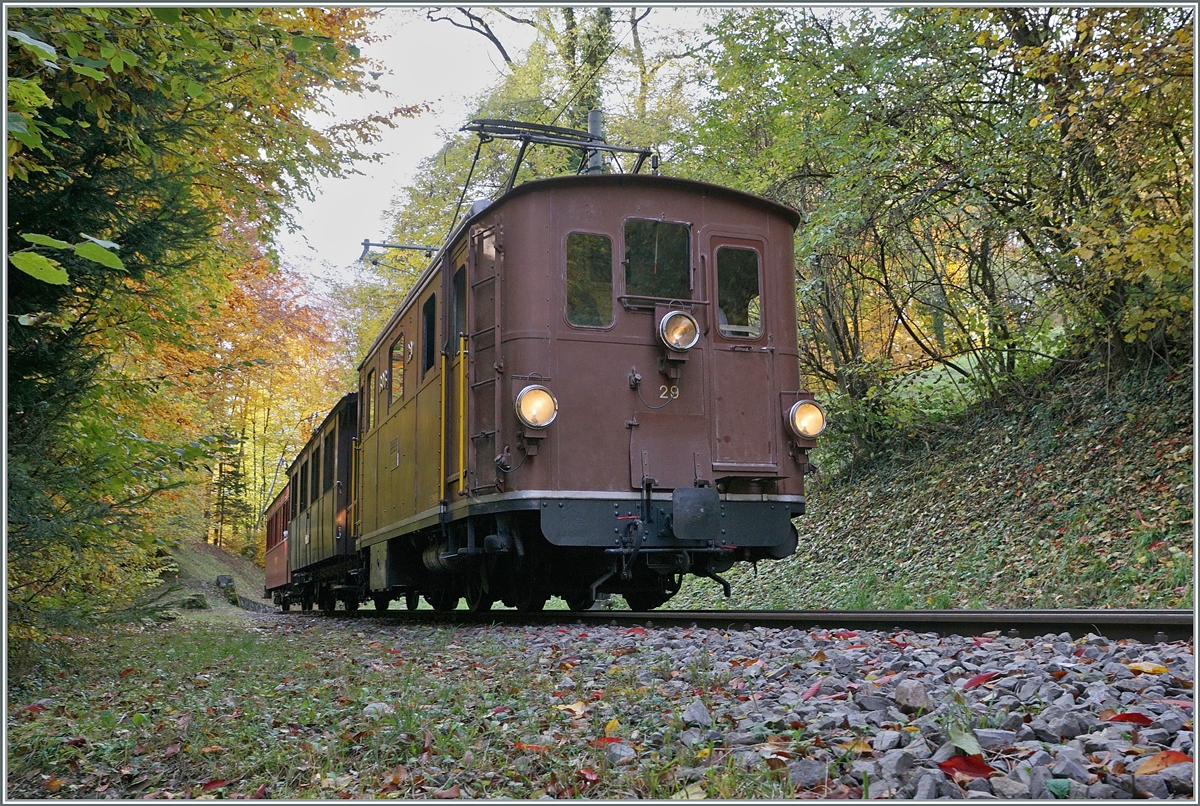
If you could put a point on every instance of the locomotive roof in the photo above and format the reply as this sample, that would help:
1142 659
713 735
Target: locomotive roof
632 181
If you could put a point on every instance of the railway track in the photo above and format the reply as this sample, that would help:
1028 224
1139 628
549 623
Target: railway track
1141 625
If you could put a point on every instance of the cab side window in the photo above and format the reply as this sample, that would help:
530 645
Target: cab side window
657 262
428 333
368 409
460 308
739 313
396 389
589 280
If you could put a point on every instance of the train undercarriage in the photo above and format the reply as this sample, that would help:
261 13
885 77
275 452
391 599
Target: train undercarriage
521 558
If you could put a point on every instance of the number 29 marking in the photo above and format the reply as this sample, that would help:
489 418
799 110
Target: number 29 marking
668 392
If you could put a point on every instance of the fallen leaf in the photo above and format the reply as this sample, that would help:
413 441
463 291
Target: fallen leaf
589 775
1059 787
704 752
601 741
577 708
635 631
127 672
1148 668
978 680
1132 716
972 766
260 793
811 691
172 750
216 748
536 748
1160 761
611 727
75 741
53 784
860 746
448 794
692 792
964 739
845 634
215 783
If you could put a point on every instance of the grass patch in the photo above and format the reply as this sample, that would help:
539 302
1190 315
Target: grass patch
1079 498
300 708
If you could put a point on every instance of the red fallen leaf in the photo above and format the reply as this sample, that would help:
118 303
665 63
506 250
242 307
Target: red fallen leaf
34 709
537 748
811 691
969 766
857 646
1177 703
448 794
589 775
172 750
844 634
75 741
1160 761
737 684
215 783
1134 717
374 643
260 793
600 741
1158 544
583 635
1139 514
635 631
978 680
596 695
127 672
53 784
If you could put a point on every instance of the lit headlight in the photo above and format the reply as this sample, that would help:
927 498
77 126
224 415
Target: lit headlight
807 419
679 330
536 406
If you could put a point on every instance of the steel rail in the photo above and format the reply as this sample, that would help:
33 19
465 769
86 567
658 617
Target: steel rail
1142 625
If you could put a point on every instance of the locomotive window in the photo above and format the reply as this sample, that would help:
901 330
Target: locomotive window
589 280
396 391
428 333
304 486
368 409
460 307
738 305
294 500
656 259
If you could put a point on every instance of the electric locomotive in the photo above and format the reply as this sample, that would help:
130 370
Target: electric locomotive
593 388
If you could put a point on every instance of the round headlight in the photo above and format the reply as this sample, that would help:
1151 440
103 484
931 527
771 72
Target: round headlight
536 406
679 330
807 419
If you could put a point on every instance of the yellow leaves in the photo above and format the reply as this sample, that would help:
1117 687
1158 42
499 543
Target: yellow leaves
1145 667
695 791
575 709
1160 761
611 727
704 752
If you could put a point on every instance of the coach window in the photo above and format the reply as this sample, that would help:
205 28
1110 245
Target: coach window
460 308
294 500
428 333
656 259
316 473
396 390
304 486
589 280
330 460
739 314
368 409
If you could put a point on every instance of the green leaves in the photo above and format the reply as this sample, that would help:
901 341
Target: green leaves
91 250
39 267
35 45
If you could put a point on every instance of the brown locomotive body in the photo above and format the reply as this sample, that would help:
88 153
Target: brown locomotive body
587 391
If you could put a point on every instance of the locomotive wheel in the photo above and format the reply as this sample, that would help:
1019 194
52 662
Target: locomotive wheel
285 606
443 599
527 598
580 600
306 602
412 600
351 605
478 600
327 603
382 602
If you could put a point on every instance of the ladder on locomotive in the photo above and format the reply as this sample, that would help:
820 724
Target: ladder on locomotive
485 361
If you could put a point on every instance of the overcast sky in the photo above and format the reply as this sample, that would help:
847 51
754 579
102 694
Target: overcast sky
424 62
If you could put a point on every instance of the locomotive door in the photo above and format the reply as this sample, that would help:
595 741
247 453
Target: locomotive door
745 420
485 362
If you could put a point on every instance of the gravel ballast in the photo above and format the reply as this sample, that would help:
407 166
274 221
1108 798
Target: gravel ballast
882 714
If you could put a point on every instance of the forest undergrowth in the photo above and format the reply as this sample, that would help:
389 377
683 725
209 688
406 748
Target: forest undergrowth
1078 496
